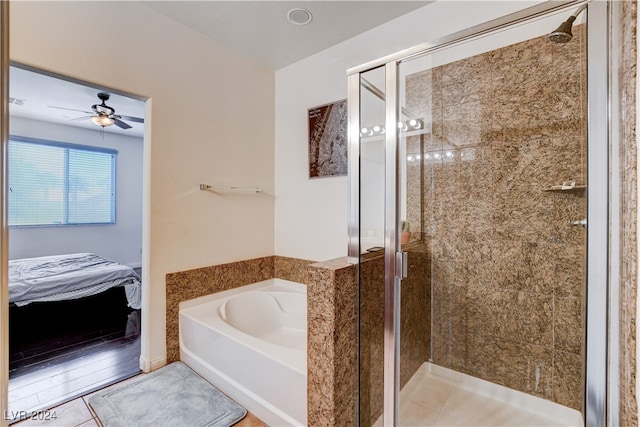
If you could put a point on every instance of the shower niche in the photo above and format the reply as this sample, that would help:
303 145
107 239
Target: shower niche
481 145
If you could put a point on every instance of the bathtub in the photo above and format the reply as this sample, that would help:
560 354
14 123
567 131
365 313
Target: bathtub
251 343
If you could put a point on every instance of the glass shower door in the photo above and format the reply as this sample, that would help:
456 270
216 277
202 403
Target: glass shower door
371 135
378 244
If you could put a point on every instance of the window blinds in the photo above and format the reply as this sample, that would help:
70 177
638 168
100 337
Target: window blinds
53 183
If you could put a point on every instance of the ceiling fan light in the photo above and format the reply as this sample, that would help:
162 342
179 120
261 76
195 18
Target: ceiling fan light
102 120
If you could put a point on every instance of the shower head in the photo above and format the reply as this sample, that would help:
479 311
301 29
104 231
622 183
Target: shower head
563 33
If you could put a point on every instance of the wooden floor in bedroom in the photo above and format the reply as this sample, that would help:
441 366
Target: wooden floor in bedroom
47 369
49 383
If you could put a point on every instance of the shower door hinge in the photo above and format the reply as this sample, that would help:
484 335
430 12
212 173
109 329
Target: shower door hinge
402 264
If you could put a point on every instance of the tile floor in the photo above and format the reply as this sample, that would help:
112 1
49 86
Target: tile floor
71 414
432 400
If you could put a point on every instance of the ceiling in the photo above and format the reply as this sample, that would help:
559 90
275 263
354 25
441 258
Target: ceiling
261 31
257 29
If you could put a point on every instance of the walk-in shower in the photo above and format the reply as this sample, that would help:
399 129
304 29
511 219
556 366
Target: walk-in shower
481 148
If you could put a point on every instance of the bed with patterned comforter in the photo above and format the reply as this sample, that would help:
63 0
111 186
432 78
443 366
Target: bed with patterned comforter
67 277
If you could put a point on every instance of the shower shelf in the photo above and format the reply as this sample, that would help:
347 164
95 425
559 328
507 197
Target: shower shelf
565 188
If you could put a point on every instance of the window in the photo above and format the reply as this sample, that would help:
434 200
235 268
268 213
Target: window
55 183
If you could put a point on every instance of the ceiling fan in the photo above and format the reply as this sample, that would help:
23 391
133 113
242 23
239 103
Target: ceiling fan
104 115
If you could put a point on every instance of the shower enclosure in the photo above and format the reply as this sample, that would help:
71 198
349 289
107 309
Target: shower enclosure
476 163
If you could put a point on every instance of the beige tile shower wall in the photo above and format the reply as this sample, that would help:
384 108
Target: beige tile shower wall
185 285
415 311
629 202
507 268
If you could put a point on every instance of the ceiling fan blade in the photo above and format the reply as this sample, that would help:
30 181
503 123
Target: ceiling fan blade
132 119
121 124
70 109
80 118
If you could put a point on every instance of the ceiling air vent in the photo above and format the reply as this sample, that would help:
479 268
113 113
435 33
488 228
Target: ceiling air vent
16 101
299 16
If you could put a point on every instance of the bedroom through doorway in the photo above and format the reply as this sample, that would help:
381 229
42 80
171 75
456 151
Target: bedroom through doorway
75 173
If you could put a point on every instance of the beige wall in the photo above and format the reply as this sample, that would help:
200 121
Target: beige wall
211 121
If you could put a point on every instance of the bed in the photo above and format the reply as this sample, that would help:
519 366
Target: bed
69 277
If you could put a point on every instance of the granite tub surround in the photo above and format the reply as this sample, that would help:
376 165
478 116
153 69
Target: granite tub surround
371 338
189 284
507 269
293 269
332 343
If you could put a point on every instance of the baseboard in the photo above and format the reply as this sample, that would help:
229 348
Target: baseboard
151 365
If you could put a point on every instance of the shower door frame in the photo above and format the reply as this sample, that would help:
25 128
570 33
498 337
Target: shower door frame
601 383
4 229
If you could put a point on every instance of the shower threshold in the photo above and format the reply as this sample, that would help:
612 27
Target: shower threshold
437 396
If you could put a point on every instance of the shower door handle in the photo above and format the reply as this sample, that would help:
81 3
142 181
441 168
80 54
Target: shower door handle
402 264
579 223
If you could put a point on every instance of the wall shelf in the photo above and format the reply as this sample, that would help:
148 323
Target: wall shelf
566 188
230 189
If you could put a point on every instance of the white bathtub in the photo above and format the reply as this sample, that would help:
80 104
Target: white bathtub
251 343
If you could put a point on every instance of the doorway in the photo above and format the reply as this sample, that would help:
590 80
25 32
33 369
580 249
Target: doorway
75 200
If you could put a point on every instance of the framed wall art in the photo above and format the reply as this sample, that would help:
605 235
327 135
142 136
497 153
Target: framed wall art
328 140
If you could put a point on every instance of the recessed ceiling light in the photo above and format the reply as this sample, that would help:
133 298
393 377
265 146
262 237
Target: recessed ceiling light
299 16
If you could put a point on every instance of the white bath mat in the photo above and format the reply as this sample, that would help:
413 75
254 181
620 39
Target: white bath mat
171 396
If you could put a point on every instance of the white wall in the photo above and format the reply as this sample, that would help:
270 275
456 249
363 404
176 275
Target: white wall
209 119
311 215
122 241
